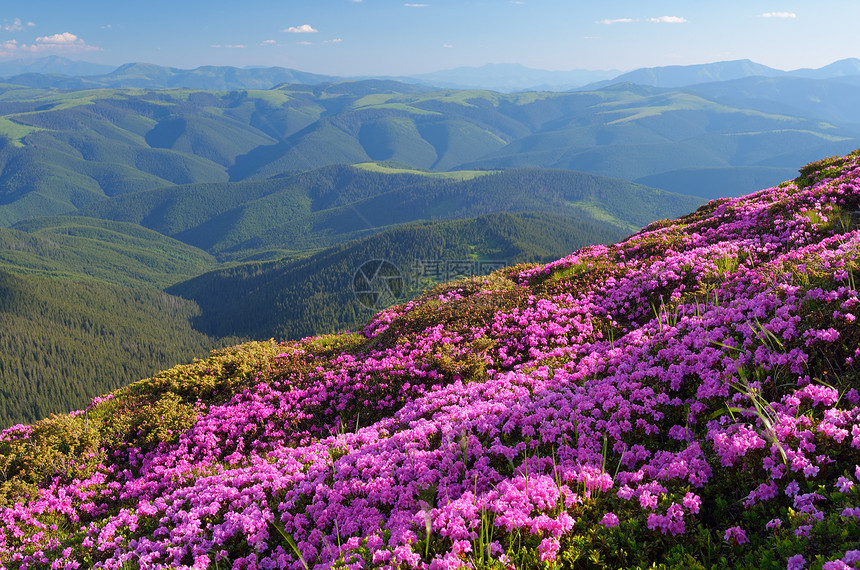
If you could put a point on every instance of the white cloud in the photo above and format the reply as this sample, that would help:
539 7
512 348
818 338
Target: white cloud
304 44
229 46
334 41
16 26
64 42
8 47
269 42
60 39
778 15
616 21
447 46
303 29
416 5
668 20
517 2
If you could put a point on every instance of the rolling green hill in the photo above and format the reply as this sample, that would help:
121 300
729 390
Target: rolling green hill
334 204
62 151
78 248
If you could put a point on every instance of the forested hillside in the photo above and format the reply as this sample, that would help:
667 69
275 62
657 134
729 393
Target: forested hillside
62 342
80 248
334 204
291 299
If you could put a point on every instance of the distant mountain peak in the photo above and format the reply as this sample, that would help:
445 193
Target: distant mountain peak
675 76
52 64
507 77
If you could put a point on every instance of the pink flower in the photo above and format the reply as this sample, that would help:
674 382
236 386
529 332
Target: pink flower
844 485
610 520
548 549
835 565
735 535
692 502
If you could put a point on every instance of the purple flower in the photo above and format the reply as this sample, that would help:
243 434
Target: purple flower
796 562
835 565
610 520
735 535
844 485
548 549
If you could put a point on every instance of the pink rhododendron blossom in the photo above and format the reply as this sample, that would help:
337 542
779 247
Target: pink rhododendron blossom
624 379
735 535
609 520
548 549
844 485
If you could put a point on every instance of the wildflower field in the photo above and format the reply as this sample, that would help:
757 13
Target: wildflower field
685 399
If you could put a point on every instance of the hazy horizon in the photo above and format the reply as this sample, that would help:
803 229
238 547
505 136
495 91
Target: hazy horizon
376 37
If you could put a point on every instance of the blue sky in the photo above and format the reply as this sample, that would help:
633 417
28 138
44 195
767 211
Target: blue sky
387 37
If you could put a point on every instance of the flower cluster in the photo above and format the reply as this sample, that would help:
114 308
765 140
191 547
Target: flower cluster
697 378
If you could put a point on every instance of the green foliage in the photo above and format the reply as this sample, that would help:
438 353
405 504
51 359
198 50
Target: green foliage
823 168
58 446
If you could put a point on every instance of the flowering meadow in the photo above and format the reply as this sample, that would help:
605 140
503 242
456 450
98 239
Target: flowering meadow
685 399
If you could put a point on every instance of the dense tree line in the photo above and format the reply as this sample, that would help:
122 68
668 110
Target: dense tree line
64 342
293 298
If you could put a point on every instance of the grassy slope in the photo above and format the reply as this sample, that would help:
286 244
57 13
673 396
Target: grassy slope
684 399
81 248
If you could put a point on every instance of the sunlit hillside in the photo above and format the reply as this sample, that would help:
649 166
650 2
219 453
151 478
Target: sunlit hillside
686 398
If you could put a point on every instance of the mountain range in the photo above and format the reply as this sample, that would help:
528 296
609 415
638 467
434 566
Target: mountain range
212 215
64 150
62 73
